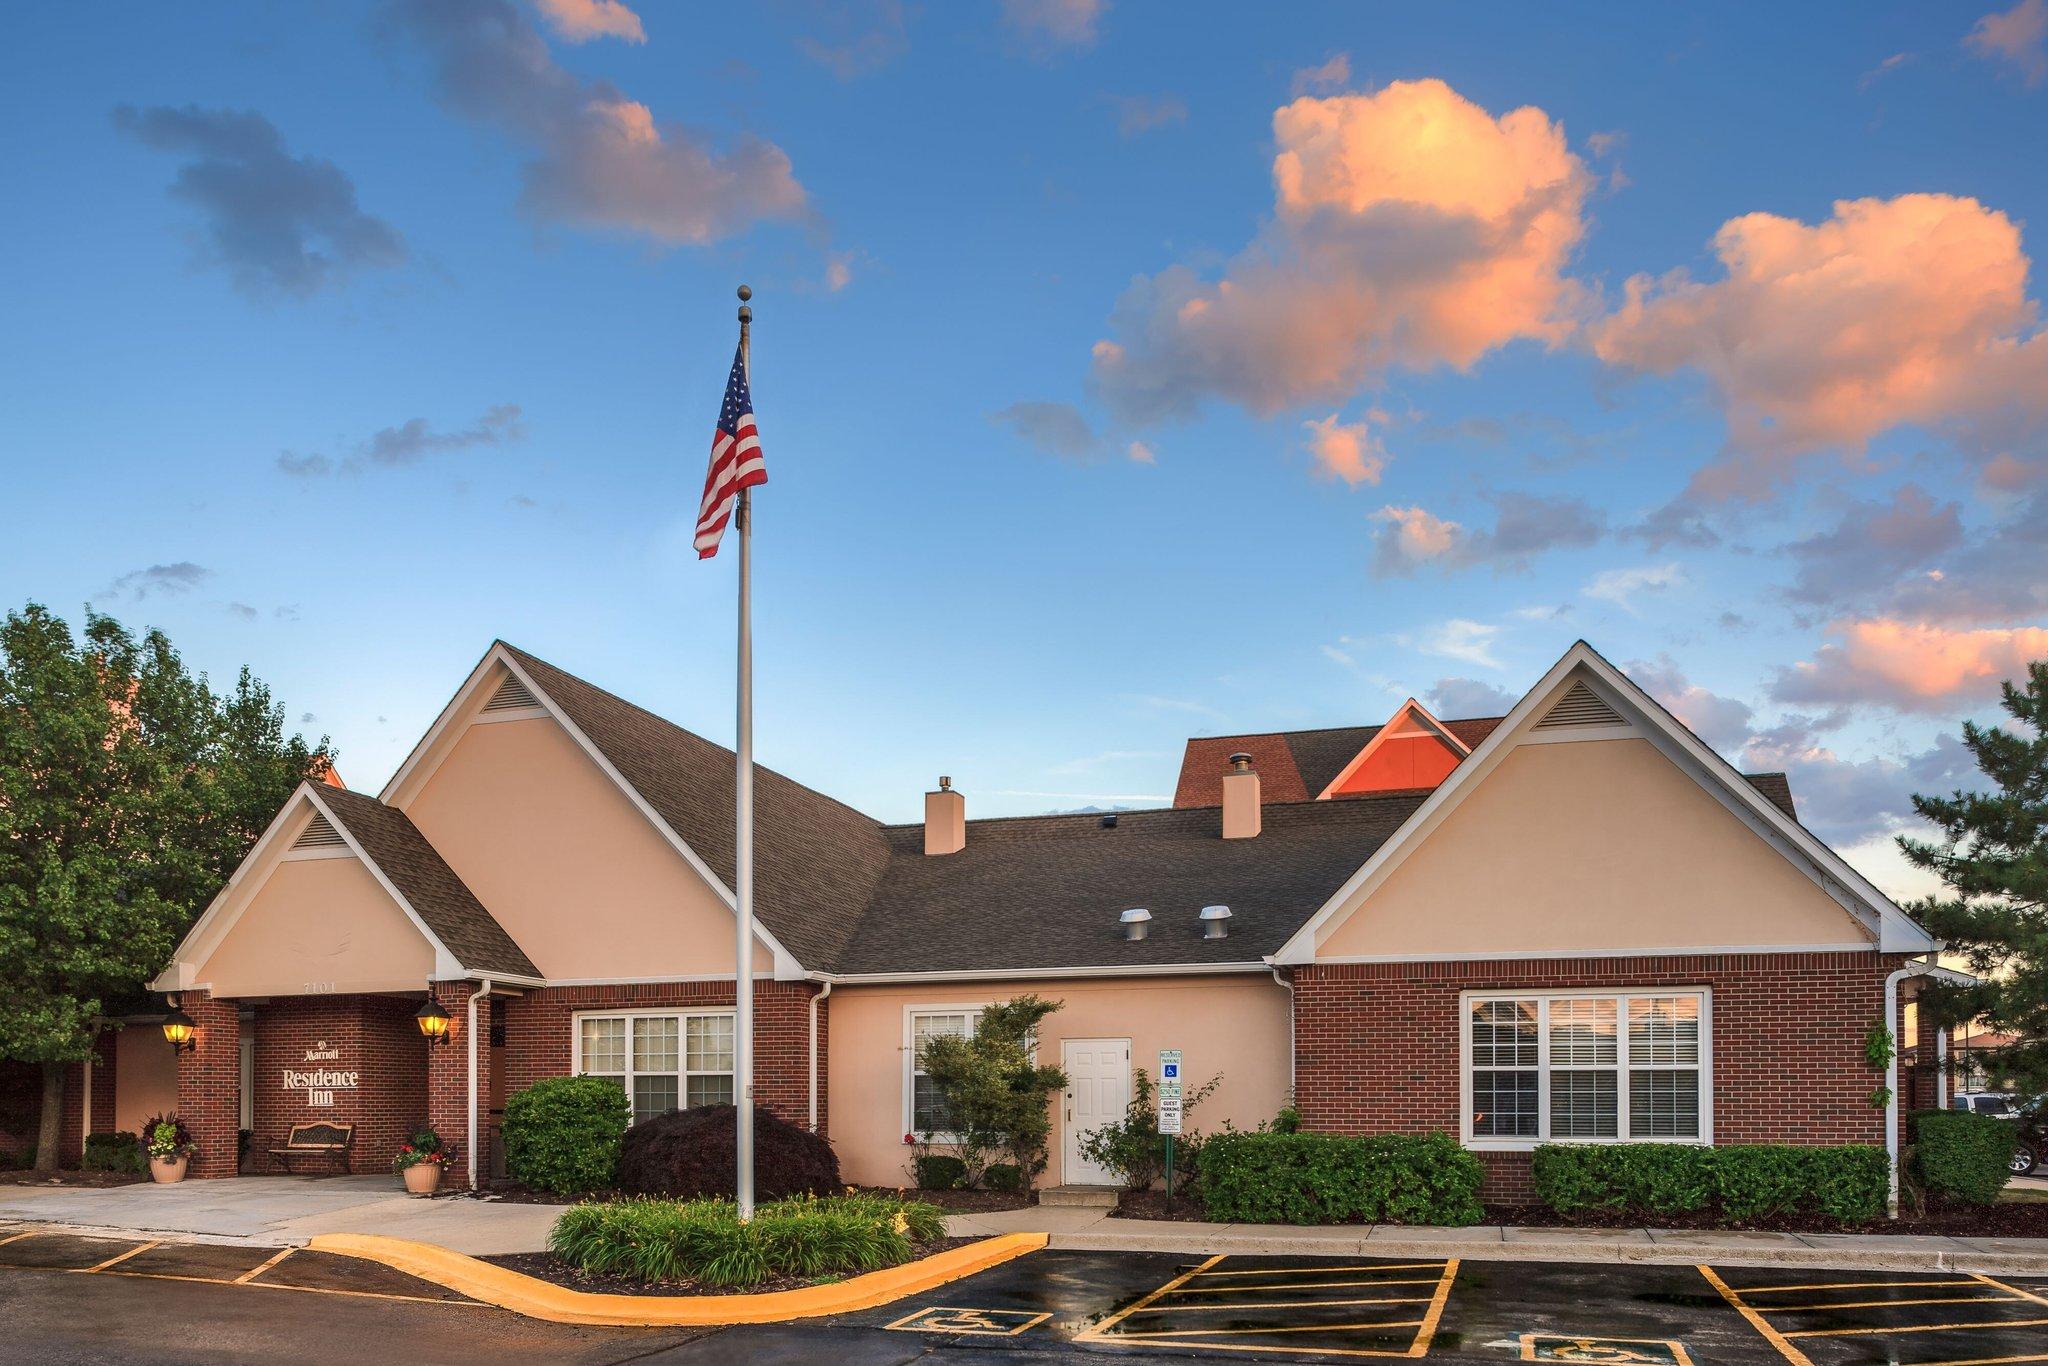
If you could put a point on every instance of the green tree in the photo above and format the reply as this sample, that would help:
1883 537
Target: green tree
995 1092
129 791
1993 854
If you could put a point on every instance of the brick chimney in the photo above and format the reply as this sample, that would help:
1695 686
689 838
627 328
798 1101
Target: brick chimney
945 820
1240 799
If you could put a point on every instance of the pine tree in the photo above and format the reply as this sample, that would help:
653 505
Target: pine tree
128 793
1993 854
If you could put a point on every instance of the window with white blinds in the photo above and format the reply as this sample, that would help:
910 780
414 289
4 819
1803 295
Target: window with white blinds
924 1108
663 1061
1586 1067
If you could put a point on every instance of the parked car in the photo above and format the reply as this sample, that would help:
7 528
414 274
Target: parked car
2029 1117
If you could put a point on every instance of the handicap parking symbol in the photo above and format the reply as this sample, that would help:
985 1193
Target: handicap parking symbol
1604 1351
1007 1323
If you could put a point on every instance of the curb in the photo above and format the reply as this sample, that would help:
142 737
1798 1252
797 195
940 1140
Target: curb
1688 1253
538 1299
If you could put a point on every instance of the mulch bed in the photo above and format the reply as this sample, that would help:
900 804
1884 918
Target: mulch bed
26 1178
2007 1219
959 1201
552 1269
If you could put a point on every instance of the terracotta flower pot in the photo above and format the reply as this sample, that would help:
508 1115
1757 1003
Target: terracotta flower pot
422 1178
165 1170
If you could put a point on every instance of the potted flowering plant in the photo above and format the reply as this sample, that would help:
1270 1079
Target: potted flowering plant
420 1161
170 1148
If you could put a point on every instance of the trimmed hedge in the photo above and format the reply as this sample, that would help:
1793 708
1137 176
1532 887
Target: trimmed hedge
939 1171
1740 1182
1963 1156
562 1134
704 1240
687 1154
114 1151
1325 1179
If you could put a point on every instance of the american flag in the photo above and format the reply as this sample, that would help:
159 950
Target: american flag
735 461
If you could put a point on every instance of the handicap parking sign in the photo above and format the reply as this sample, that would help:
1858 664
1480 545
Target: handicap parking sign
1169 1064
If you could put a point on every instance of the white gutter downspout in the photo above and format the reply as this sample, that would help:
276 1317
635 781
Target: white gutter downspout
1941 1069
815 999
483 990
1891 1081
1289 984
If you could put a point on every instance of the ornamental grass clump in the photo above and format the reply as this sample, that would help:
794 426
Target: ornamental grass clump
704 1240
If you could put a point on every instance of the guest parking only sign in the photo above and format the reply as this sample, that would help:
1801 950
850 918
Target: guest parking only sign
1169 1090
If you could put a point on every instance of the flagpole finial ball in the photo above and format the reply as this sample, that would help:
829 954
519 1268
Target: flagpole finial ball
746 293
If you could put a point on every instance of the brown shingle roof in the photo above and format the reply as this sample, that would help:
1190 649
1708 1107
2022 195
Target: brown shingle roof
425 880
816 861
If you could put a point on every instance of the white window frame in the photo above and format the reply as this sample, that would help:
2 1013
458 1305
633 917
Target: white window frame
1621 996
682 1073
972 1009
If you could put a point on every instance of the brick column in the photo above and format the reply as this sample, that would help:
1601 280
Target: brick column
448 1078
210 1083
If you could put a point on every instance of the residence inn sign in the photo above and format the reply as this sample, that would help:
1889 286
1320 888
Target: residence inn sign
320 1083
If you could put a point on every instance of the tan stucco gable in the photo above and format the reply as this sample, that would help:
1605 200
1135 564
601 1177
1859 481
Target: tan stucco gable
577 875
1599 846
314 926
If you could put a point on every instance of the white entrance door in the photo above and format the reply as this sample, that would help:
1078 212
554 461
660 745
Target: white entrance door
1098 1087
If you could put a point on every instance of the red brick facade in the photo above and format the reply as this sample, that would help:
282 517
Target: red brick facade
371 1039
538 1034
71 1139
210 1083
1377 1045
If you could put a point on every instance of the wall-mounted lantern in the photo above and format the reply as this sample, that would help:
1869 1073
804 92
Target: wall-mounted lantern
180 1030
433 1021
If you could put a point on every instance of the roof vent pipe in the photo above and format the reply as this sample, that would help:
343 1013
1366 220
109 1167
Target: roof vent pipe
1137 922
1215 922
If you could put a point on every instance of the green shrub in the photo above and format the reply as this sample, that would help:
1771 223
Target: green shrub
1963 1156
1003 1176
1323 1179
114 1152
704 1240
562 1134
1740 1181
1133 1147
938 1171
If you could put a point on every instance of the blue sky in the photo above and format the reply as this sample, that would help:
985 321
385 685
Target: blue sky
343 339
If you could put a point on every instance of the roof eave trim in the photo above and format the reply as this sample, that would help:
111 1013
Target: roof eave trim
1000 974
1894 930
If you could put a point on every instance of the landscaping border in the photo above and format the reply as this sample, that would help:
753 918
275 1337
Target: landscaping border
538 1299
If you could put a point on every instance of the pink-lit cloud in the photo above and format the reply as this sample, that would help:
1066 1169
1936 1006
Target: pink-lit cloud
1893 311
1411 227
1910 666
579 21
1351 451
2016 38
1524 527
1331 75
1048 25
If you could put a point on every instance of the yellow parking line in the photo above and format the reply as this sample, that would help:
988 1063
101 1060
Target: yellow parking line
1886 1304
1272 1304
17 1237
1839 1285
1771 1335
253 1272
1315 1285
1984 1361
1114 1319
1916 1328
1325 1270
119 1258
1420 1347
1246 1332
2009 1289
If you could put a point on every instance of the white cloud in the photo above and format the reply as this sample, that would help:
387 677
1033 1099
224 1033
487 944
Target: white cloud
1622 586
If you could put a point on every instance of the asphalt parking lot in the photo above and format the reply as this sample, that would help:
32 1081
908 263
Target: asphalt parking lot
66 1297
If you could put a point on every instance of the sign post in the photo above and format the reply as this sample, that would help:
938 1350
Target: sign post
1169 1110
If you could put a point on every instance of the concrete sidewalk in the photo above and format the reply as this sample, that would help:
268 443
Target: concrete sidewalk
1096 1230
278 1210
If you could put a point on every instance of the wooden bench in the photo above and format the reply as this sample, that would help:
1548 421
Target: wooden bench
316 1140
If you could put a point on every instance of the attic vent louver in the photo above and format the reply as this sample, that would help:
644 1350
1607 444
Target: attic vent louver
321 834
510 696
1580 706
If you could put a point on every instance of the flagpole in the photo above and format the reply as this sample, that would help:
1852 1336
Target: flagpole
743 838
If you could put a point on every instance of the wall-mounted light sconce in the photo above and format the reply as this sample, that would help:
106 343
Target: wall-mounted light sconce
433 1021
180 1030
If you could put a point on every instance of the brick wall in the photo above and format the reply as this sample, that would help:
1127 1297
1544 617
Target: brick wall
210 1083
374 1037
538 1031
71 1140
1377 1044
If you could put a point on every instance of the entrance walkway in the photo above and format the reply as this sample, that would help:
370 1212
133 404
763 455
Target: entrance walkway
285 1210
